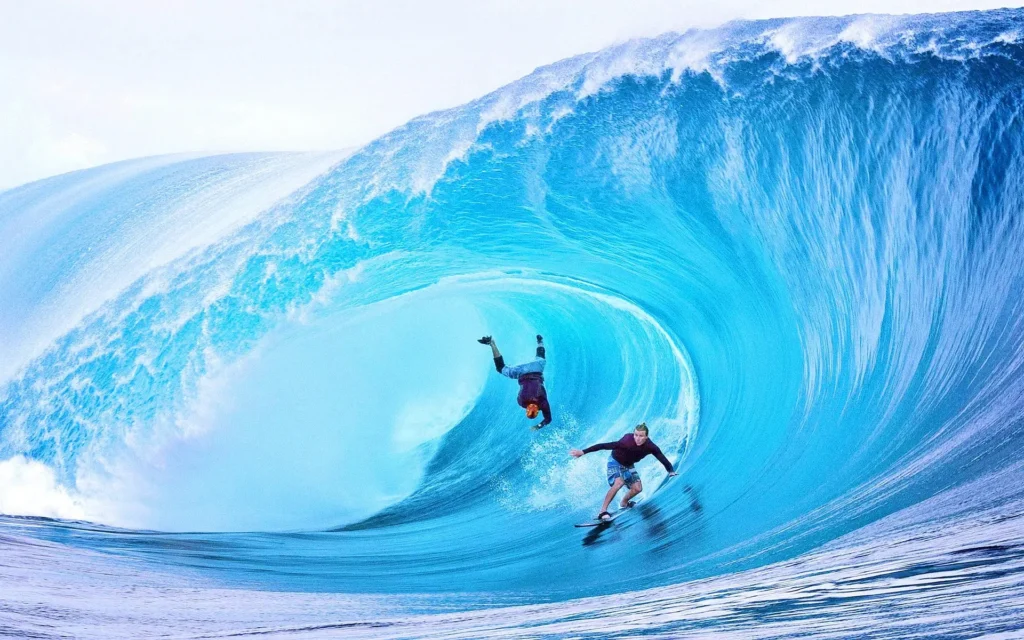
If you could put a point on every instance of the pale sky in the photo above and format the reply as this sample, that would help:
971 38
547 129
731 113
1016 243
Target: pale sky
84 83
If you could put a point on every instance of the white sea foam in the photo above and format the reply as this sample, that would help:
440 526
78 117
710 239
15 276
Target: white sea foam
30 488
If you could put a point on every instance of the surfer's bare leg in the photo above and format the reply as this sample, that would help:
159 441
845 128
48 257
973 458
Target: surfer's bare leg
633 490
499 362
611 493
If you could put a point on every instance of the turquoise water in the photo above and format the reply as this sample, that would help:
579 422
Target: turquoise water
792 247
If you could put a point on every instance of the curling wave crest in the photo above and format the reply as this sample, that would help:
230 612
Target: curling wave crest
793 247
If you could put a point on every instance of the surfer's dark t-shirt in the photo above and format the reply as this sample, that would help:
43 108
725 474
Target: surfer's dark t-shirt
627 452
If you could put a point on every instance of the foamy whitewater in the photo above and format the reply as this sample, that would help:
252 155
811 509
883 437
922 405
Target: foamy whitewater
242 394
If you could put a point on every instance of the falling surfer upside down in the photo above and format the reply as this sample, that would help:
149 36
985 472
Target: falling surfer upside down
532 395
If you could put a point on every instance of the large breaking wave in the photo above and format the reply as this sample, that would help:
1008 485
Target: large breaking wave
793 247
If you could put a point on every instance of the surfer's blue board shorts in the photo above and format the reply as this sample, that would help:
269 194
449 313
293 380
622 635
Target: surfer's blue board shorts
629 475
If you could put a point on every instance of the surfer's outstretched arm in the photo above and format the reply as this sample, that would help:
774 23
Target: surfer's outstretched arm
663 460
576 453
545 408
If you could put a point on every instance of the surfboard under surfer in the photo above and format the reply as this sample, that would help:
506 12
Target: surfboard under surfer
626 452
532 395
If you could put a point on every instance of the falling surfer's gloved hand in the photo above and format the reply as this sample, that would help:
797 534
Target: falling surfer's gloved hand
485 340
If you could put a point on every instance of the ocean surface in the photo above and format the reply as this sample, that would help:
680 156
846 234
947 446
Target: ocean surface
241 395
